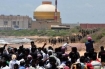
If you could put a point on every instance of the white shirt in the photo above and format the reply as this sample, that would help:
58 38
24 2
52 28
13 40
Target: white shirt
65 45
6 67
95 63
12 62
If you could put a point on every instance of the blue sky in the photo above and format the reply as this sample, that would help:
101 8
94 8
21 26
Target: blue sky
72 11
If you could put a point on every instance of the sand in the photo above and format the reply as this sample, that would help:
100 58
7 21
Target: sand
80 46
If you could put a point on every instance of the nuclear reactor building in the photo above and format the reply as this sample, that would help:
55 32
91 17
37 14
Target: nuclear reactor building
46 16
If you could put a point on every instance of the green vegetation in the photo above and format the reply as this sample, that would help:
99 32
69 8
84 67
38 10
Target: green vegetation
97 36
38 32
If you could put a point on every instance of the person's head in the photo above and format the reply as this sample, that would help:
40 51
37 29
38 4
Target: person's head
13 57
45 50
22 63
29 57
74 49
102 48
50 48
89 38
32 43
41 63
21 47
27 51
15 50
39 49
52 60
16 66
86 54
68 63
94 57
82 59
78 66
63 49
50 52
39 56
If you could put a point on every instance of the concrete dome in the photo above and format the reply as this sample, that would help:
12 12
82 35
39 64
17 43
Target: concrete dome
45 8
46 11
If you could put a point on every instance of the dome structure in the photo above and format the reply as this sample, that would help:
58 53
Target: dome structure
45 8
46 11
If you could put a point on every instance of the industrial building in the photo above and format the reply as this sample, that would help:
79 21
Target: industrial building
46 15
92 25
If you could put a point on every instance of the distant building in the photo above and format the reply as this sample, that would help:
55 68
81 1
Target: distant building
92 25
15 22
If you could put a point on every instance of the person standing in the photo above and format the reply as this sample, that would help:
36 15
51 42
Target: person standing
89 44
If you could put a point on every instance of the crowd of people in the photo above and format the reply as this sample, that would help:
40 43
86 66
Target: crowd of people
51 58
76 37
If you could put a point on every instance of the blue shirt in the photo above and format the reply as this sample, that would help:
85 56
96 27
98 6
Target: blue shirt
21 67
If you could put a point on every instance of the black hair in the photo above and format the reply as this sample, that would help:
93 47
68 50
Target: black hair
68 63
45 50
41 63
52 60
4 63
22 63
16 66
78 66
49 53
82 59
102 48
74 49
32 41
15 49
86 54
50 48
94 57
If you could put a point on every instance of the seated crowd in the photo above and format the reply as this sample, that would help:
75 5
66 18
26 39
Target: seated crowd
49 58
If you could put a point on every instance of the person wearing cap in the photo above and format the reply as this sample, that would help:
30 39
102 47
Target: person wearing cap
89 44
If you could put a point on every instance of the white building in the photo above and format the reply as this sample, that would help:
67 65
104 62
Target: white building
15 22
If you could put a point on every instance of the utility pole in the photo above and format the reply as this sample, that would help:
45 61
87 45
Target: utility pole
56 10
